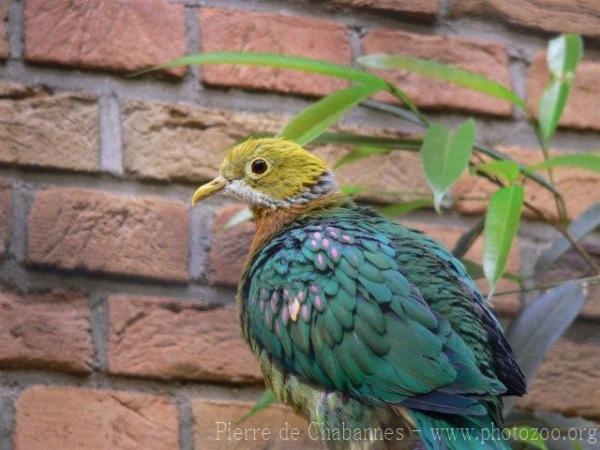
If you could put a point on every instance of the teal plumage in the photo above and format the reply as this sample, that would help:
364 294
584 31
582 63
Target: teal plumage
361 306
359 323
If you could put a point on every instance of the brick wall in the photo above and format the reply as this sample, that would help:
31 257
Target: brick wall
116 325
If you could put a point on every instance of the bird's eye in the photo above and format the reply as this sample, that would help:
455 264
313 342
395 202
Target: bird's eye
259 166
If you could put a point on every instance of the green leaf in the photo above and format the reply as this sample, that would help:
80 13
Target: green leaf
406 100
243 215
507 170
398 209
444 72
374 141
266 399
273 60
360 153
319 116
410 117
398 111
445 154
564 53
529 435
585 223
501 225
551 106
541 322
475 271
350 189
587 161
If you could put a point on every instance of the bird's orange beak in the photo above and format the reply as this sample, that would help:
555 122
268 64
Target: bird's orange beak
209 189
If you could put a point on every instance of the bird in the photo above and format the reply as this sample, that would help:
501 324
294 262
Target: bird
372 331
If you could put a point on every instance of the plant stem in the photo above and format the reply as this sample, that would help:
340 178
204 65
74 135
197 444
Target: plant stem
587 280
558 200
558 226
467 239
562 230
400 95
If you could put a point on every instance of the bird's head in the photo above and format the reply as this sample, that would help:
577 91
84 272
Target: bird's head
270 173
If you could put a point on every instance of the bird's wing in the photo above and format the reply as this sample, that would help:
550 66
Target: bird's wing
329 303
448 289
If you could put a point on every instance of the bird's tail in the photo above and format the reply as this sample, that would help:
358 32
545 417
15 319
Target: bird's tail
456 432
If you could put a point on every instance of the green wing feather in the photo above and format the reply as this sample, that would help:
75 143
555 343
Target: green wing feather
329 299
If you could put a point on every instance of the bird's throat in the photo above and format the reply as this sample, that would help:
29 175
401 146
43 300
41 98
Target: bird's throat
269 221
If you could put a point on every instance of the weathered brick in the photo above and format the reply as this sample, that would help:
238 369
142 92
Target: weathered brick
176 339
71 228
420 9
230 247
67 418
579 17
45 331
487 58
3 31
583 106
235 30
5 216
283 429
38 128
109 35
579 188
567 381
197 139
399 174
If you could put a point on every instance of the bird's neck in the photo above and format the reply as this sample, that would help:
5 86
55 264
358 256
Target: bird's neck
269 221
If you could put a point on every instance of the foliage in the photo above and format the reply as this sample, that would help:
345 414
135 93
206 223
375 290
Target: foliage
445 153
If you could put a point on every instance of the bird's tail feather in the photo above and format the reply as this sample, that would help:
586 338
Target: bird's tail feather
454 432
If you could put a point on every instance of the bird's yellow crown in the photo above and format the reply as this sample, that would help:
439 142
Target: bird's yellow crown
270 172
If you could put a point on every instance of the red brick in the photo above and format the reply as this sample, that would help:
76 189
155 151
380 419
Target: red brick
67 418
71 228
399 174
582 110
176 339
579 17
3 30
567 381
235 30
197 138
420 9
211 416
5 216
108 35
59 131
579 188
45 331
486 58
229 248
